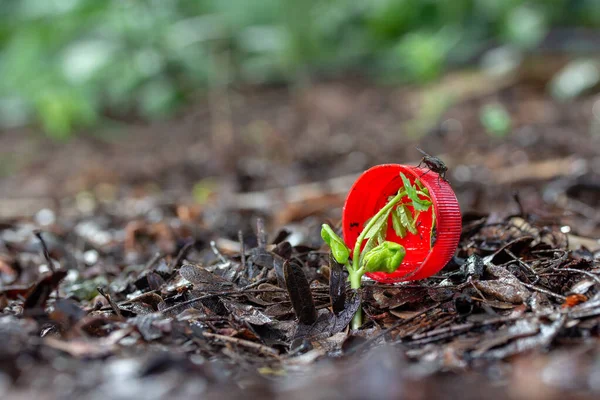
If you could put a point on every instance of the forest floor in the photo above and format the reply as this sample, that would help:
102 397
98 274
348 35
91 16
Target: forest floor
167 242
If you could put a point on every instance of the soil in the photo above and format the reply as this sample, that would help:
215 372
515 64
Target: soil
163 281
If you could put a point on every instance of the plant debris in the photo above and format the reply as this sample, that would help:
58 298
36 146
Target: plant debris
148 295
513 288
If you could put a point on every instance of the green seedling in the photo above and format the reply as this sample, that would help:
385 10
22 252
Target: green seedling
372 252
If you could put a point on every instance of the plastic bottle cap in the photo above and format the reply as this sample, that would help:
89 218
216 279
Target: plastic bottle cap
371 192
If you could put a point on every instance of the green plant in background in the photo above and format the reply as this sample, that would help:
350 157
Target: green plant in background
422 55
495 119
372 252
66 64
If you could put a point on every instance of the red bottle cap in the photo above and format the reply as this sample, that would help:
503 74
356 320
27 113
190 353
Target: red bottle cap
370 193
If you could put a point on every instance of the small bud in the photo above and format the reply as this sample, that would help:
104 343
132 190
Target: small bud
386 257
338 248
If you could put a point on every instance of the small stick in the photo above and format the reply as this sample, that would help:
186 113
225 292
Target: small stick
114 307
242 247
242 342
477 290
545 291
242 264
153 260
594 277
217 253
444 333
261 235
258 283
134 299
391 328
517 199
195 300
244 290
441 331
215 318
522 263
216 294
38 234
182 254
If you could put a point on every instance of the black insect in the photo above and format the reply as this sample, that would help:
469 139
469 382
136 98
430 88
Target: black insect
433 164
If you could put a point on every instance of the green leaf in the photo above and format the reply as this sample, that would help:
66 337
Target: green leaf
411 192
338 248
422 187
397 224
377 236
370 245
386 257
424 193
379 226
406 219
417 203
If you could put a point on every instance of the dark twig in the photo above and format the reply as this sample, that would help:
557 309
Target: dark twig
153 261
242 342
391 328
215 250
245 290
545 291
523 264
445 333
594 277
134 299
195 300
217 294
242 247
38 234
182 254
242 264
261 235
441 332
470 280
517 199
258 283
113 305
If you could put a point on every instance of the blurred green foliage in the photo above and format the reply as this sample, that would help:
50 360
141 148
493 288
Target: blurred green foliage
495 119
66 63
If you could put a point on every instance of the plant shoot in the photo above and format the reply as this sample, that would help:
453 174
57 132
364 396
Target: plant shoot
372 252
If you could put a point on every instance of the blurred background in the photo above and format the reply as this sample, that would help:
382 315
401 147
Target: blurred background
134 133
186 98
